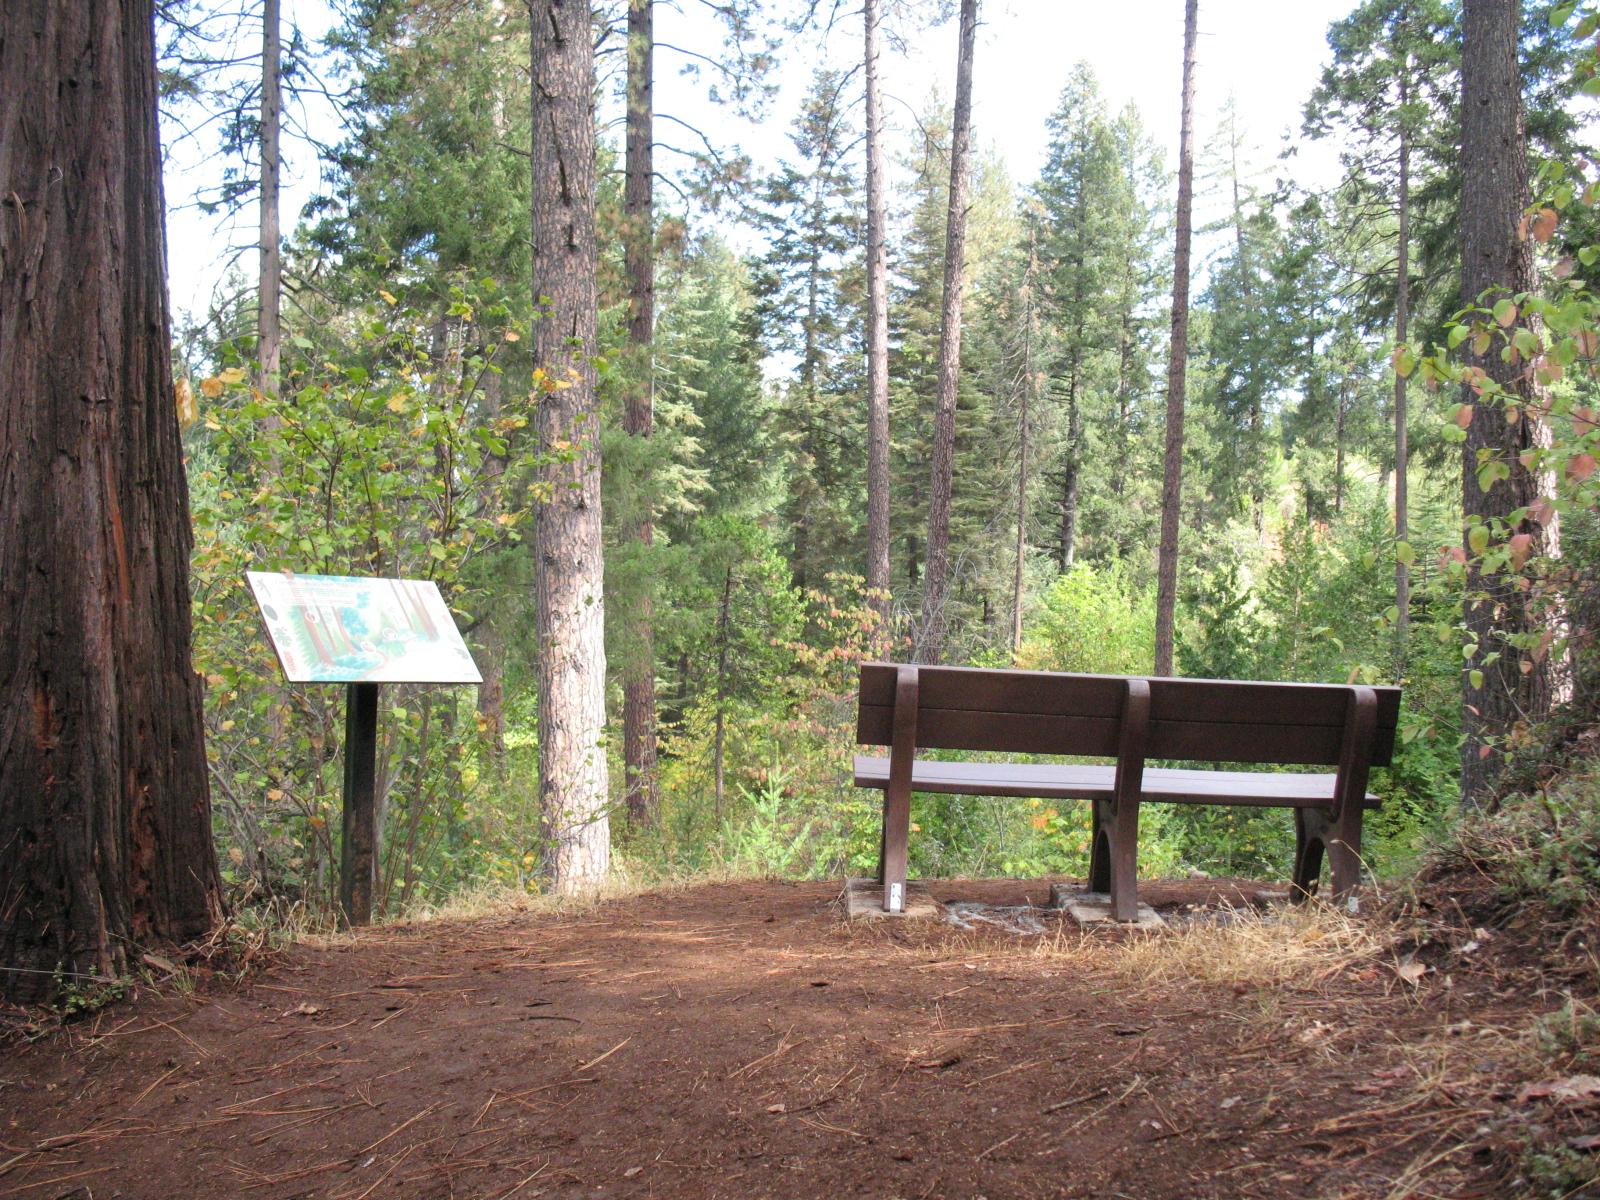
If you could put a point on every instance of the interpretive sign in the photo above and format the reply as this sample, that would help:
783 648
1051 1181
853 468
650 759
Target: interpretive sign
361 633
346 629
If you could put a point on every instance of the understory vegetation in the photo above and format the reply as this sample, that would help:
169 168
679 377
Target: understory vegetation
395 439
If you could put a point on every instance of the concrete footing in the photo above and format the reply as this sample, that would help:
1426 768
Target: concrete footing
863 900
1094 908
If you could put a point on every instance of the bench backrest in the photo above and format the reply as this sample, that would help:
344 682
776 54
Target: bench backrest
1045 712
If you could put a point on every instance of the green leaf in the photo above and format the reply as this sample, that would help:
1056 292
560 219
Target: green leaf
1478 539
1404 553
1458 334
1476 677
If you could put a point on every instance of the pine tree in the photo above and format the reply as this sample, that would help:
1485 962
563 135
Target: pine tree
809 284
1177 361
569 600
1496 264
931 630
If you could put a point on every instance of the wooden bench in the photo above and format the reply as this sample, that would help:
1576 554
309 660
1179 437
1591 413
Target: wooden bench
908 708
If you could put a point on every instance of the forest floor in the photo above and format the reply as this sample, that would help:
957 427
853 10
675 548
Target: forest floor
742 1040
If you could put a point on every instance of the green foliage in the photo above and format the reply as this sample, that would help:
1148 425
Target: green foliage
1092 618
386 455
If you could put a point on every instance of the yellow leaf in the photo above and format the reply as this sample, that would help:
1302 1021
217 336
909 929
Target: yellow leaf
232 375
511 335
397 403
274 793
188 410
211 388
388 297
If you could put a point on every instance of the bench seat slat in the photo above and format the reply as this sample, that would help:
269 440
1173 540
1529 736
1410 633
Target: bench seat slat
1073 781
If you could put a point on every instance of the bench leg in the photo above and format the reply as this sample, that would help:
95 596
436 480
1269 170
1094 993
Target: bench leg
896 838
1315 832
1099 847
1113 860
1311 826
883 837
1344 854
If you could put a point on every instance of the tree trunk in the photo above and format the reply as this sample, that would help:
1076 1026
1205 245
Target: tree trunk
639 676
936 578
1402 314
877 332
569 611
1177 363
1496 261
722 689
1256 468
1023 432
269 331
1338 442
1070 474
105 811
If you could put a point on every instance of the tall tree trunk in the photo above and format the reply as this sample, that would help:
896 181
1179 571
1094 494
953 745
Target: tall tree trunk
1496 261
1070 474
1255 468
1023 437
639 676
936 579
105 810
1338 441
569 607
877 330
1402 314
719 747
269 331
1177 362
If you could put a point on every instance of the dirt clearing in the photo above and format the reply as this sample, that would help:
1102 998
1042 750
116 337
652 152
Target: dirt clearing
741 1040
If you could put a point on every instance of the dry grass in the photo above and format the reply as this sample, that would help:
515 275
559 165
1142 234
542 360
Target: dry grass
1301 947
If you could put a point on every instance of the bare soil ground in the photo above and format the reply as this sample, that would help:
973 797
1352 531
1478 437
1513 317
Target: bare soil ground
742 1040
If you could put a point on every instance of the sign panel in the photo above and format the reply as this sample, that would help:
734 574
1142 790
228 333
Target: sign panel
345 629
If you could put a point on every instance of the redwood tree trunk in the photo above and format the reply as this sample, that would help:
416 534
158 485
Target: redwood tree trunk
877 330
936 579
1177 362
639 675
105 812
569 609
1495 261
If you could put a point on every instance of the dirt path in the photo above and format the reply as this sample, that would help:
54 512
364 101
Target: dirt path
728 1041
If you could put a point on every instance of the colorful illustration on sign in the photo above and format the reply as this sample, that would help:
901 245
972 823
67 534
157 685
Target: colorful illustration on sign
345 629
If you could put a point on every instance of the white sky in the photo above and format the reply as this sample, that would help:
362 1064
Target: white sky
1267 54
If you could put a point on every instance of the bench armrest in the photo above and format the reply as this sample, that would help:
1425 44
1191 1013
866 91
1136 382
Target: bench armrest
1355 753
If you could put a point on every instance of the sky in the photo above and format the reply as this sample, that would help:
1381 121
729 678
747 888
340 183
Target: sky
1266 55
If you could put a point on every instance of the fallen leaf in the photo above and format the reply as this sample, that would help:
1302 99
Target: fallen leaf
1411 971
777 1108
631 1172
306 1010
1589 1141
1231 1101
160 964
1574 1089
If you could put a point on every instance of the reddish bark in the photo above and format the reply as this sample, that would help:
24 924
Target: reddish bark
105 810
